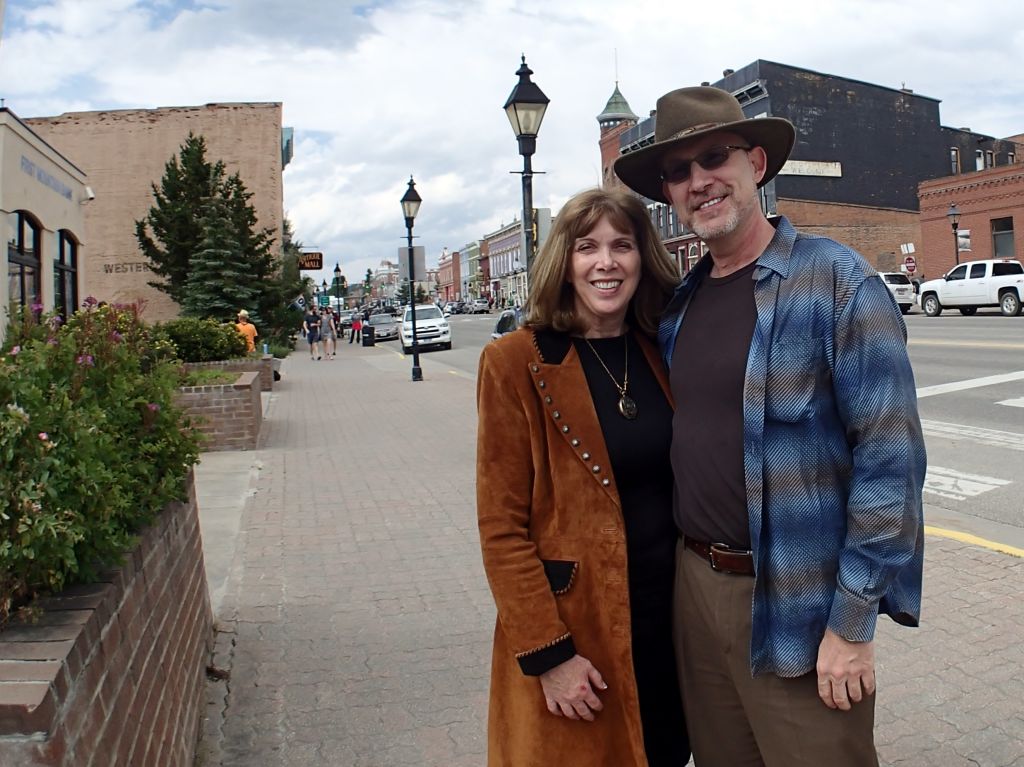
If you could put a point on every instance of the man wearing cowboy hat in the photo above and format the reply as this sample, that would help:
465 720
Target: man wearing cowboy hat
797 451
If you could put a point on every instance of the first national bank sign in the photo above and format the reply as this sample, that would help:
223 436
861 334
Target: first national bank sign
44 178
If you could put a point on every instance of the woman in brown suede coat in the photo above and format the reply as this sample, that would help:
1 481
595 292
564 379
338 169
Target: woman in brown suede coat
574 502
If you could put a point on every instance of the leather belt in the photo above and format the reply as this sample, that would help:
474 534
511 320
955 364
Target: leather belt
722 558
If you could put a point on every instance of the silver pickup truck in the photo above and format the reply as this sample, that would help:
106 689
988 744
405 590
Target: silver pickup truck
996 282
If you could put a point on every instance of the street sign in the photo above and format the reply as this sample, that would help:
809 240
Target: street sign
325 300
911 263
311 260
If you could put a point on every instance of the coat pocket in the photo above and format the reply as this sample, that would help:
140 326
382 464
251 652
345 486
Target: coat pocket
560 574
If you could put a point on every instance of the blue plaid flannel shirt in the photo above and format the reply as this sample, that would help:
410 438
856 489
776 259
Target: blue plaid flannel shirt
833 452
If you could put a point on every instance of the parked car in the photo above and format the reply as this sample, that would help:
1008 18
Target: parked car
995 282
478 306
901 287
431 328
385 326
344 320
508 321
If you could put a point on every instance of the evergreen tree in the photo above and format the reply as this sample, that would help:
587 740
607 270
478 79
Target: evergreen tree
171 232
402 294
218 284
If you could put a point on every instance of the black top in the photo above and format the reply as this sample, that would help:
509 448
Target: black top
639 453
709 367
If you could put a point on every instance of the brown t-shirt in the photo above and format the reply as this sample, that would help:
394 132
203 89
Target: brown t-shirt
708 370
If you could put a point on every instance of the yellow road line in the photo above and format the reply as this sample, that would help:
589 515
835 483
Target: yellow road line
965 344
956 535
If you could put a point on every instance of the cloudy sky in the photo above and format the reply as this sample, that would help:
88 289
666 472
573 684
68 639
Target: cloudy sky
379 89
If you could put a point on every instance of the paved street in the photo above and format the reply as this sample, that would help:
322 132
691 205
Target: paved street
355 617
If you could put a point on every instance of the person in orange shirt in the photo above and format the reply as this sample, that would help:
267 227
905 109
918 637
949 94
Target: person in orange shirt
247 329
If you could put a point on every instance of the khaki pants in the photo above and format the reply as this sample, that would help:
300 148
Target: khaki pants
738 721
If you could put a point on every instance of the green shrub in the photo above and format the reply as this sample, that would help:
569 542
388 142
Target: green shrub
203 340
280 351
91 446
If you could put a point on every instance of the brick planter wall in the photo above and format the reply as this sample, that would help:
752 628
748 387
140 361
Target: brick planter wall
114 672
264 366
230 415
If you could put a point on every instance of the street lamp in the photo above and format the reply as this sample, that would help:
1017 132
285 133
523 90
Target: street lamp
410 207
525 109
953 214
337 286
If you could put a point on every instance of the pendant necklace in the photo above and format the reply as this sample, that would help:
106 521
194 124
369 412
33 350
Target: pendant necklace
627 405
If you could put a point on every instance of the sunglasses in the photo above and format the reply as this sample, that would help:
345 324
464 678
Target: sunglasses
712 159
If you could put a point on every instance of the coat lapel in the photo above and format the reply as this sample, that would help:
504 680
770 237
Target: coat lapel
564 394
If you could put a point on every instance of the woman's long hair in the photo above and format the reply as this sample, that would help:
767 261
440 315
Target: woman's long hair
551 303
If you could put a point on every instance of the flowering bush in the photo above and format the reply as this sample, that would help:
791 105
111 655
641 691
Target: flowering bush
91 445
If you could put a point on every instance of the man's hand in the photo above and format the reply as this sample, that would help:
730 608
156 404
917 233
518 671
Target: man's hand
846 671
569 689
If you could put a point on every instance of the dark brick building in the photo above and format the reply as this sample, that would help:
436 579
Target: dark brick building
861 151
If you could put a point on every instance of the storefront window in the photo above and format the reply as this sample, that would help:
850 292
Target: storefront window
65 275
23 287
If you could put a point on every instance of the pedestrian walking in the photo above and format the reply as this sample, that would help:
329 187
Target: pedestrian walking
797 451
329 332
247 330
357 327
574 498
311 329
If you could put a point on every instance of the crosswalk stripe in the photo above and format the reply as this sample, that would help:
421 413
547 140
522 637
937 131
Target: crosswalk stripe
971 383
1004 439
957 485
1019 402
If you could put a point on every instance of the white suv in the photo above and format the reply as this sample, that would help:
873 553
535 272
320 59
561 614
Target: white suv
431 328
479 306
901 287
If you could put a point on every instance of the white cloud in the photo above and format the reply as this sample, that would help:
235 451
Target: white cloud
379 90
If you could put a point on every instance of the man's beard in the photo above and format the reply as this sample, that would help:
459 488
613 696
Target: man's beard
713 230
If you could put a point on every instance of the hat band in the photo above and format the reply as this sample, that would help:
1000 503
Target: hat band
692 129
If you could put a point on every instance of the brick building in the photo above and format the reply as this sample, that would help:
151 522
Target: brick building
123 152
991 205
449 281
861 151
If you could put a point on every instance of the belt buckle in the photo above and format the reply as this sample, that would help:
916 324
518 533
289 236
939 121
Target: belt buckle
721 548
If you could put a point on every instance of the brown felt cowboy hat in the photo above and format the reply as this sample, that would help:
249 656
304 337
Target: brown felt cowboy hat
689 113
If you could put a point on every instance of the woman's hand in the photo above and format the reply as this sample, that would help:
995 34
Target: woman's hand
569 689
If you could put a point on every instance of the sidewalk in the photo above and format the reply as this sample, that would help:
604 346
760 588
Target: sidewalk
356 620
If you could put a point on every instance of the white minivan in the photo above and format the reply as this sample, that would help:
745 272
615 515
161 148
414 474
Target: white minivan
431 328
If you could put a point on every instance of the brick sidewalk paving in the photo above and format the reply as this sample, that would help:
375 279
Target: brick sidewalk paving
357 618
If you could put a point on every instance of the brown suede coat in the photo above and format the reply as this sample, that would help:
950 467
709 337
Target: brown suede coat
545 492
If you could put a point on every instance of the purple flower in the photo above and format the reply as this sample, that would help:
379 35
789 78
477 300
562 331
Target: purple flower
51 341
85 359
153 407
15 350
89 302
43 436
116 337
55 322
37 307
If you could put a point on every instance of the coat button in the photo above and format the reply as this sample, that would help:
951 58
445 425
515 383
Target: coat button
596 469
565 430
575 442
586 456
534 368
547 399
606 482
542 385
557 415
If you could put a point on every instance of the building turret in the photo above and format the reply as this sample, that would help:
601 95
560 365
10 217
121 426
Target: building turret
616 111
615 120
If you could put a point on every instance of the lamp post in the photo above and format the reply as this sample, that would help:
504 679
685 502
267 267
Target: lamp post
525 109
410 207
953 214
324 292
337 287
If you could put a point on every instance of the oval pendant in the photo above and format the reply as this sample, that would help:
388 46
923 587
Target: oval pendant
628 407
